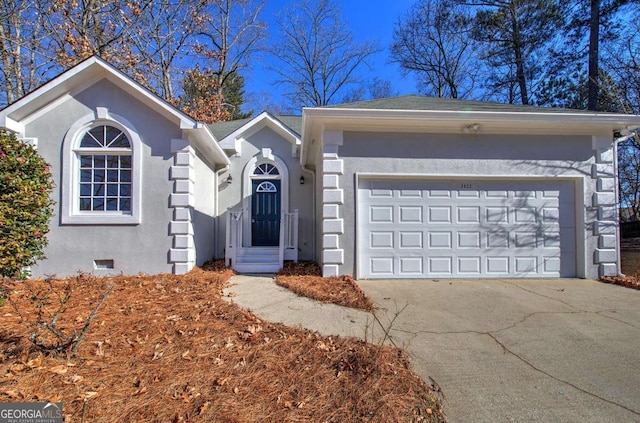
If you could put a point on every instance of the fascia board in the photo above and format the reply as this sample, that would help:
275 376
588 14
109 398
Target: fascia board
538 122
206 143
7 123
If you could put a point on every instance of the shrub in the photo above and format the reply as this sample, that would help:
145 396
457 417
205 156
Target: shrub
25 205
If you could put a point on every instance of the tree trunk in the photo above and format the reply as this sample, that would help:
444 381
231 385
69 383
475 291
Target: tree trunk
519 56
594 35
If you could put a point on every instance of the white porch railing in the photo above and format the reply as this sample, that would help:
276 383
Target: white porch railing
234 236
289 231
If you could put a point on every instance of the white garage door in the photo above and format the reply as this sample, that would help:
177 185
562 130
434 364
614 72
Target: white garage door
434 228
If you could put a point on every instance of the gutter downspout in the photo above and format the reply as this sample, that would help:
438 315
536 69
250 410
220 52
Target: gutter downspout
616 141
305 169
217 206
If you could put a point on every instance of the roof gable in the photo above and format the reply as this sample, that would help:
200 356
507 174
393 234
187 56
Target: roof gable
77 79
231 134
87 73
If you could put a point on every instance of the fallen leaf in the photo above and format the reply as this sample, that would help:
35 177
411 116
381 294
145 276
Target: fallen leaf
13 394
36 362
17 368
74 379
61 369
140 391
204 408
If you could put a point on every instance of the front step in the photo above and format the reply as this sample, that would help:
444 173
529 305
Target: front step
257 260
257 267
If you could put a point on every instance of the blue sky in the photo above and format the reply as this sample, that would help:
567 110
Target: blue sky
369 20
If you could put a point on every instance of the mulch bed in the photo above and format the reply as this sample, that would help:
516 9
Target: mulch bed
167 348
305 278
627 281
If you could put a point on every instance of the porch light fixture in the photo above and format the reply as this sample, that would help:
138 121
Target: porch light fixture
229 179
302 180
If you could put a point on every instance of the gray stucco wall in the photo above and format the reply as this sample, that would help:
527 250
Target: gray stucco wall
300 195
133 248
507 156
204 211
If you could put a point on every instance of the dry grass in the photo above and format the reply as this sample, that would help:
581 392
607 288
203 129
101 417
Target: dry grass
167 348
305 278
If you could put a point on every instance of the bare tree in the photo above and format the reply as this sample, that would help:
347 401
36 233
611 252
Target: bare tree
21 32
629 177
80 29
380 88
161 38
316 54
434 41
230 33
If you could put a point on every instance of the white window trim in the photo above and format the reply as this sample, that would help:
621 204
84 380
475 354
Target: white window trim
70 212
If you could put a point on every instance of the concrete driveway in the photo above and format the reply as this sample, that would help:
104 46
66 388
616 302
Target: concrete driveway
521 350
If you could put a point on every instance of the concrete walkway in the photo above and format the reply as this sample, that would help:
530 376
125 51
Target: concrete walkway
501 350
268 301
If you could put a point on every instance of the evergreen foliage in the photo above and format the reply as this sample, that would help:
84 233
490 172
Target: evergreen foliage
25 206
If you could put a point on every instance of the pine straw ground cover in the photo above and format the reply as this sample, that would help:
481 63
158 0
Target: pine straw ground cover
167 348
305 278
630 255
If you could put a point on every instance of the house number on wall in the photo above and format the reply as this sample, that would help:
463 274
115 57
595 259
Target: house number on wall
465 186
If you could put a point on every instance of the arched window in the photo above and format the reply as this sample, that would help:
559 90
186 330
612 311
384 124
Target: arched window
266 187
266 169
101 171
105 166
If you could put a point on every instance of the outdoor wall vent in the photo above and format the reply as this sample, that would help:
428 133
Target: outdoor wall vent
103 264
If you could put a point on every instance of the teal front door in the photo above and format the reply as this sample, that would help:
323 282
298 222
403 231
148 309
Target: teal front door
265 213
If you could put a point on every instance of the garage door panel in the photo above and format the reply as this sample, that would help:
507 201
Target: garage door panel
468 215
499 240
440 240
469 239
409 239
411 266
468 194
497 265
469 266
380 239
381 266
381 214
439 214
496 214
410 214
440 266
484 229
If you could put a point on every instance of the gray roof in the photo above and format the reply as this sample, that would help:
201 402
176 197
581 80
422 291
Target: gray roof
221 130
414 102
